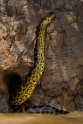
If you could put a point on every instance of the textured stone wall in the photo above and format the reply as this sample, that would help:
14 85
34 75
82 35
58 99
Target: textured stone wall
61 85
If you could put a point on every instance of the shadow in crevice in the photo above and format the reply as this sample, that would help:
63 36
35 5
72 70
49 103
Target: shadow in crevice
13 81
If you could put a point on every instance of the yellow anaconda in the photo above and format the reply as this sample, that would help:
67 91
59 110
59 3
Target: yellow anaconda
26 90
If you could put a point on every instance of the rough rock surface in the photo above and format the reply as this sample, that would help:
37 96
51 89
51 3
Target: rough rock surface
61 85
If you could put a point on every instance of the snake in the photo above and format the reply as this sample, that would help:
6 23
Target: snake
26 89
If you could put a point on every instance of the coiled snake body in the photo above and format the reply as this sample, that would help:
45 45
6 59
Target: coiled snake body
25 91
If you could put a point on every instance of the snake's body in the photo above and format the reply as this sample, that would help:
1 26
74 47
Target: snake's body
26 89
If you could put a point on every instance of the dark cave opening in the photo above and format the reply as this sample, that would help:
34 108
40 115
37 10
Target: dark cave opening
14 81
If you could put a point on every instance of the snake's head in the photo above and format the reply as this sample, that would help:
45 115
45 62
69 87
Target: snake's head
49 18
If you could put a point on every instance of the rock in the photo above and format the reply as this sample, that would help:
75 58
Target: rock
61 85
